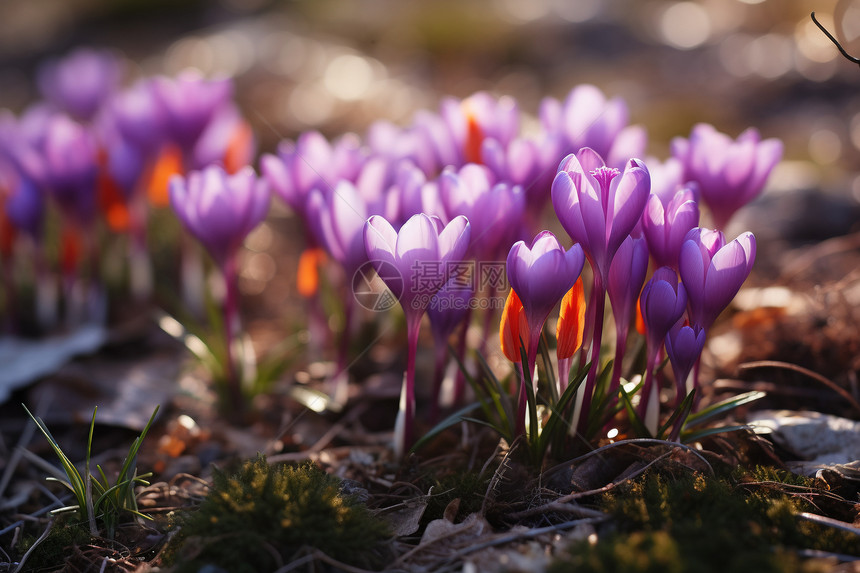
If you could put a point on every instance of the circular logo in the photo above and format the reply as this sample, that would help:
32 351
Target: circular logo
374 285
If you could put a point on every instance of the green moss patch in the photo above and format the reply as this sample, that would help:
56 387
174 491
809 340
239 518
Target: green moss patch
265 516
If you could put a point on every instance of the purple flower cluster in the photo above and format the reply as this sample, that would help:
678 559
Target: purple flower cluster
472 160
464 182
101 153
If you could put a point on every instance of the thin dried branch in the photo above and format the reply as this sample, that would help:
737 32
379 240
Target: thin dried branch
806 372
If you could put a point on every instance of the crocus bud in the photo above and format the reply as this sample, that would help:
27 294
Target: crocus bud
665 225
626 275
663 301
541 275
713 271
684 344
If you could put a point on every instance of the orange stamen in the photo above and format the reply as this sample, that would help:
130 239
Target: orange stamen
474 136
513 329
571 321
240 148
308 279
169 163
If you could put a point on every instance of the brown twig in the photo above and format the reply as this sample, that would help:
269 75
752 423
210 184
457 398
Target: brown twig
847 56
806 372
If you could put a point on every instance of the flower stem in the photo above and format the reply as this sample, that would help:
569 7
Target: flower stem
231 327
460 380
620 348
340 389
599 296
441 360
407 399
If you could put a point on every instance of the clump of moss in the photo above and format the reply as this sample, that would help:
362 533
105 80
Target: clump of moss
699 524
265 516
52 551
469 487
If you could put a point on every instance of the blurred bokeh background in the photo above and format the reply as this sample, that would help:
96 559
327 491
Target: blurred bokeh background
338 65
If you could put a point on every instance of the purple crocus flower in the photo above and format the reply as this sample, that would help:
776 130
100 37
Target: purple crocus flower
529 163
588 119
220 209
684 344
411 193
416 143
190 102
730 173
70 158
81 82
222 142
493 209
479 117
663 301
541 275
337 220
407 260
626 275
139 117
666 224
597 205
666 178
414 263
713 271
311 163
